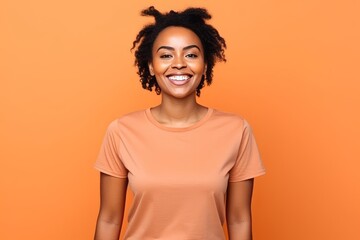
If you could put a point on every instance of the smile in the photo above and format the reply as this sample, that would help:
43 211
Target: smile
178 77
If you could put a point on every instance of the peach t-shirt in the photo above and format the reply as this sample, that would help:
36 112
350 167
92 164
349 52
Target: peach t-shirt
179 176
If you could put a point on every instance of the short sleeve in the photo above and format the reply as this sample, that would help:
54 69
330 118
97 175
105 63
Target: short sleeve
108 160
248 162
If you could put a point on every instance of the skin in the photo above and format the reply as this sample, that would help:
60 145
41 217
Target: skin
112 204
177 51
238 210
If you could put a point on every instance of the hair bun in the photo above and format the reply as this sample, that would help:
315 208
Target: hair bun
152 11
197 14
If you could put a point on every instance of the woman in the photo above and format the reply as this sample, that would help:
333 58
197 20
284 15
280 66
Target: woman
189 166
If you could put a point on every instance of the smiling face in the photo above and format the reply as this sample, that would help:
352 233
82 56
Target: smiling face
177 61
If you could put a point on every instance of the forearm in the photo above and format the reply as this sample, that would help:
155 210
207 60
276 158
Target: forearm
107 230
240 230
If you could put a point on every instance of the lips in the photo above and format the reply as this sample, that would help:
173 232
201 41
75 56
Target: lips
179 79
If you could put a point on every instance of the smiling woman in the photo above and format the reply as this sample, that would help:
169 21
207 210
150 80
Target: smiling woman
192 19
189 166
178 62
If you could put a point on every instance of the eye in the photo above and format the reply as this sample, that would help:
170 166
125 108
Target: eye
165 56
191 55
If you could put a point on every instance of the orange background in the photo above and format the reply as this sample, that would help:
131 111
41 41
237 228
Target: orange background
293 71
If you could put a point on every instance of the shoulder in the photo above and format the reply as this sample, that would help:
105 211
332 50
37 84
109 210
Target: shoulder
230 118
132 119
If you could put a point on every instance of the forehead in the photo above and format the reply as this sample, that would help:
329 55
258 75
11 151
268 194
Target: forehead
177 37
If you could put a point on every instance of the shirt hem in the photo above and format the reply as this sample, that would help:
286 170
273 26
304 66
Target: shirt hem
103 170
256 174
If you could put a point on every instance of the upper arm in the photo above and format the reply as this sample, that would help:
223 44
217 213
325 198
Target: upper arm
112 198
239 195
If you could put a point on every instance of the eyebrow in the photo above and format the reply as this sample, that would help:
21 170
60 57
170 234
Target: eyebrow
172 49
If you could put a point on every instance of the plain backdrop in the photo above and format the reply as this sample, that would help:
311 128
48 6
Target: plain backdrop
66 71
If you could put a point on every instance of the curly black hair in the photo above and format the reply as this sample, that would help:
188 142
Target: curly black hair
191 18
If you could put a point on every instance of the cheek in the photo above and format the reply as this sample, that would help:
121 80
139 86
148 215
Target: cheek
160 66
197 67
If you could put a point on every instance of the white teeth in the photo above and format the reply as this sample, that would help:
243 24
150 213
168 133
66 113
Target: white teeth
179 77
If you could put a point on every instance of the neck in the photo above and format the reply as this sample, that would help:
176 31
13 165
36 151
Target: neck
178 112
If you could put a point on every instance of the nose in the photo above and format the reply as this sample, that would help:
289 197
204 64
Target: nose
178 63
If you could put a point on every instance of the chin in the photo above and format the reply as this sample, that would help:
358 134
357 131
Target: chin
181 95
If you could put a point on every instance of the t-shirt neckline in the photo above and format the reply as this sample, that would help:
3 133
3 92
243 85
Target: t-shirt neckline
151 118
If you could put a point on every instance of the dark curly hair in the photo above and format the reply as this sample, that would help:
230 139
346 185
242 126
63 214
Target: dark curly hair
192 19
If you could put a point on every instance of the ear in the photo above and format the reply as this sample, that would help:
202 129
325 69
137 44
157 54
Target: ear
205 69
151 69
